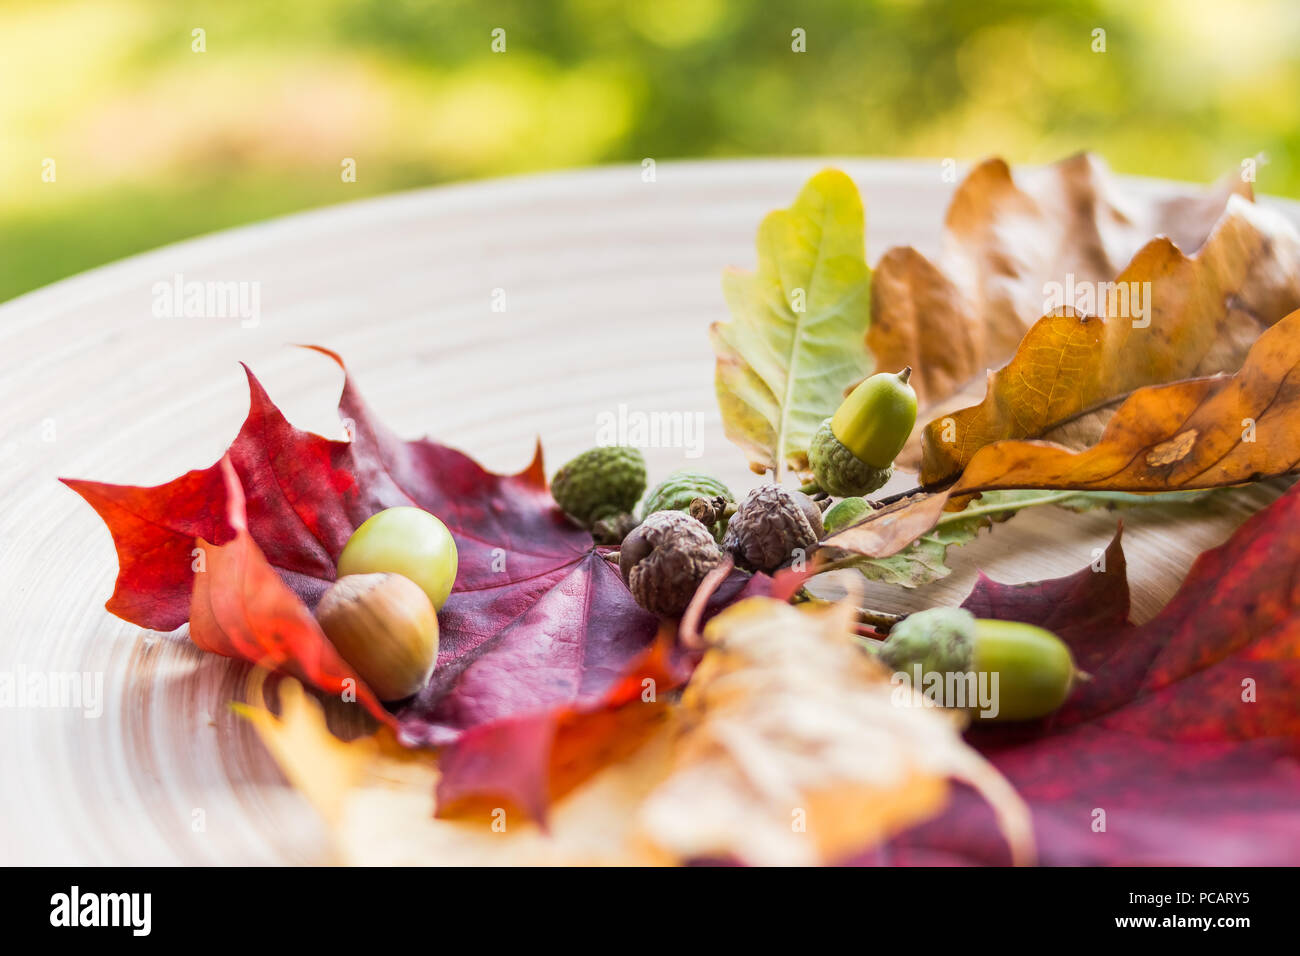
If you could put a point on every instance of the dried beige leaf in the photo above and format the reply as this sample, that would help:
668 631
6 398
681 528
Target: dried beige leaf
377 801
795 749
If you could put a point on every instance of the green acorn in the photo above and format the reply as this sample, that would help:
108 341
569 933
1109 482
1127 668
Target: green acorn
844 513
602 483
678 490
1035 669
853 451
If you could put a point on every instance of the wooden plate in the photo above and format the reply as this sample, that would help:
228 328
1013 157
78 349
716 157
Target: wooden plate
608 284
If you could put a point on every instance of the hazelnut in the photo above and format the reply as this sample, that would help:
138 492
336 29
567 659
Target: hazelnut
384 625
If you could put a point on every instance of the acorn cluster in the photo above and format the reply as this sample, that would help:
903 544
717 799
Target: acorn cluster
689 520
686 524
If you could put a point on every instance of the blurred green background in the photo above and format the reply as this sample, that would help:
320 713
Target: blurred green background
153 142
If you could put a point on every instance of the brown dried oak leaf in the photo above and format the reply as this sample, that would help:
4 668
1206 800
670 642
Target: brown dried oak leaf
1005 241
1166 317
1200 433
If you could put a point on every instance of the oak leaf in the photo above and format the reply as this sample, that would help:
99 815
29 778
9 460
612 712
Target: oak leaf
1196 434
796 339
1004 241
1166 317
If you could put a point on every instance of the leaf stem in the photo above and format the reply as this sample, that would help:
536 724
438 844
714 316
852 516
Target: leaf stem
880 621
689 633
975 512
853 559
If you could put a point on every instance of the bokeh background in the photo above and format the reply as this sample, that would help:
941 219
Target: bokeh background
154 142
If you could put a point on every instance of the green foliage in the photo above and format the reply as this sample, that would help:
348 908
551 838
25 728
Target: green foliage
412 88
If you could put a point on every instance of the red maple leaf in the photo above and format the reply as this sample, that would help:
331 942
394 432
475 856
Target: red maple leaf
532 760
242 608
1184 749
538 618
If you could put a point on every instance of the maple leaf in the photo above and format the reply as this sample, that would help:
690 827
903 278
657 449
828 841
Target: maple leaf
531 761
1201 433
797 335
538 617
1186 738
535 759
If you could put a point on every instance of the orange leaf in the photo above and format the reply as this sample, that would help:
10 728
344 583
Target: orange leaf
1003 240
1201 433
1166 317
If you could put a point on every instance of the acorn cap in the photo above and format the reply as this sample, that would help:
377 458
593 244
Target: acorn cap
838 471
600 483
846 512
769 525
941 640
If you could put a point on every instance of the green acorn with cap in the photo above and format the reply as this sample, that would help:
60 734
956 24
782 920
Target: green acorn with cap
853 452
1034 668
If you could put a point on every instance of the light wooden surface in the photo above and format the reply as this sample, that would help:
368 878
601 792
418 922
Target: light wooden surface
610 284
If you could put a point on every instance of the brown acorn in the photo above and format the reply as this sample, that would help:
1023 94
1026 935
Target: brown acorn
770 525
664 560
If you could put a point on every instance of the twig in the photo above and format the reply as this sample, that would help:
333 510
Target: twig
689 634
897 496
880 621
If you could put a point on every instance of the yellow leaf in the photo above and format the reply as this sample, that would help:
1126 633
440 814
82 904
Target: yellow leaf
377 799
796 340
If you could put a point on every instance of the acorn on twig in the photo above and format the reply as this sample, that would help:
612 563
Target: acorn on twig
853 452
